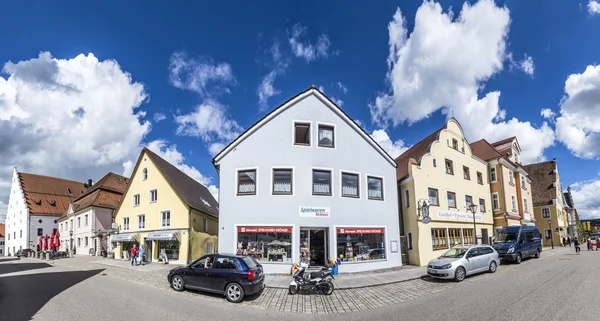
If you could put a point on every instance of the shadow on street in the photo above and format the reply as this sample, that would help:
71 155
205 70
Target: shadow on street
22 296
19 267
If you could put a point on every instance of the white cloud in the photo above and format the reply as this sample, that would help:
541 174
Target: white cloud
395 149
199 74
266 88
97 99
3 211
443 64
306 50
335 100
578 125
547 113
342 87
585 198
173 156
527 65
159 117
593 7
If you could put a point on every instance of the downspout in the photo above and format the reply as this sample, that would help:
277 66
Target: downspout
501 177
400 211
189 235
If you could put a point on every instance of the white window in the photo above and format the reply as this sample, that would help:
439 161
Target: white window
136 200
321 182
153 196
495 201
481 205
141 221
282 181
326 138
525 206
165 218
246 182
514 203
204 224
511 177
468 201
433 196
548 234
126 224
545 212
145 174
523 181
492 174
86 220
451 196
302 134
375 188
79 222
350 185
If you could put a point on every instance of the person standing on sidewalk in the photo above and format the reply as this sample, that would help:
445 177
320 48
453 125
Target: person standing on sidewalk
577 248
569 240
133 255
141 253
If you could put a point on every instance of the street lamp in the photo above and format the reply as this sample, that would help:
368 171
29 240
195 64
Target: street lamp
473 209
551 234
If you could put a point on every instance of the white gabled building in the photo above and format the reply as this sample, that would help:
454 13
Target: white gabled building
307 181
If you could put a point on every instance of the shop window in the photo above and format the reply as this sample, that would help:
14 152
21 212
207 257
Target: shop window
466 173
302 134
439 239
482 205
455 236
282 181
141 221
170 248
153 196
433 197
361 244
126 224
247 182
449 167
321 182
479 178
165 220
375 188
451 199
265 244
326 138
468 236
136 200
350 185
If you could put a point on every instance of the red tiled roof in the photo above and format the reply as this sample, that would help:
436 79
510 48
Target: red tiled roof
484 150
49 196
107 193
415 153
2 230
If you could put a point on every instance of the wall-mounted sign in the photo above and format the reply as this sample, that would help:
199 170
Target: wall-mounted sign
266 229
394 246
462 216
360 231
313 211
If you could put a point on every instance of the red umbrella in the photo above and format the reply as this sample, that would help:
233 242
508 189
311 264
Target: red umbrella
52 242
41 244
46 243
57 240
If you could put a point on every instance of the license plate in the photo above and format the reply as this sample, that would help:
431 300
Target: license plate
432 271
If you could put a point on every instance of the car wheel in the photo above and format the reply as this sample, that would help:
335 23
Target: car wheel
493 267
519 258
293 289
234 293
537 253
460 274
177 283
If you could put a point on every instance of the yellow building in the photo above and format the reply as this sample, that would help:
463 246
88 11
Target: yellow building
510 185
548 205
166 212
441 174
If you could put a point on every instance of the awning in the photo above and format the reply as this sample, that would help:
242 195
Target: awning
166 236
123 238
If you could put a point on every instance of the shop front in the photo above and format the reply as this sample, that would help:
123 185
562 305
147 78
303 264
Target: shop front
164 244
122 244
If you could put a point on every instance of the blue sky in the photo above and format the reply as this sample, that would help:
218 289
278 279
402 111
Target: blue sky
219 55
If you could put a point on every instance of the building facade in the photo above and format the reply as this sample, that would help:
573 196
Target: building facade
510 185
439 179
305 184
2 239
571 212
165 211
84 227
34 206
548 201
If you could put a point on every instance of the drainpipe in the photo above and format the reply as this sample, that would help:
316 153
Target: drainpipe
189 235
400 211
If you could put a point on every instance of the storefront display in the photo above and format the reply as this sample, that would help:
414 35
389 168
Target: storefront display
267 244
171 248
360 244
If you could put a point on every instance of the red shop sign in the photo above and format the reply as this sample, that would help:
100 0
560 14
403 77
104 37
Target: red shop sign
360 231
259 229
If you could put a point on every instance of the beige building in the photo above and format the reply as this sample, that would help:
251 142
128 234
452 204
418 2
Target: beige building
548 205
441 173
510 185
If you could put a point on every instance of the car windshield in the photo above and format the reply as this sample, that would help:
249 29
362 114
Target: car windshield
456 252
506 237
250 263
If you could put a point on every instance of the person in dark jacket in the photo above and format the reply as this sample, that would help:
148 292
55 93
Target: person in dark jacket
577 248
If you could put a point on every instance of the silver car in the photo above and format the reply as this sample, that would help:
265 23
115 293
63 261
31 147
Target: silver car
461 261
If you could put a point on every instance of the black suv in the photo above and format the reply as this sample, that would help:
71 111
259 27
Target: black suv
234 276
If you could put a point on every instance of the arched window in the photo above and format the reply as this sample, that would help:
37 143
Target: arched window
145 172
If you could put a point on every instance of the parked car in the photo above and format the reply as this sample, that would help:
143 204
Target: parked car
461 261
376 254
24 252
515 243
234 276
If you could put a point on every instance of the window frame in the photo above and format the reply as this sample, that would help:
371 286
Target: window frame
523 181
497 199
454 144
546 236
140 227
471 202
237 180
549 212
494 173
525 206
162 220
455 238
513 202
126 223
448 199
292 179
312 179
333 134
369 176
480 178
468 235
150 194
86 220
437 196
145 174
358 185
139 199
466 173
446 161
481 209
302 123
439 238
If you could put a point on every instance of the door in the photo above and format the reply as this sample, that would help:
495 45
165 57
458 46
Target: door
485 239
148 251
530 243
487 255
473 261
223 271
199 273
318 247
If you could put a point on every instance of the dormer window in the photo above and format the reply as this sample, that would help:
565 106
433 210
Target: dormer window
69 190
302 134
326 136
145 174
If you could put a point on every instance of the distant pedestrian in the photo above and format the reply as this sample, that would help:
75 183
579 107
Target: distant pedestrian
134 255
577 248
589 244
141 254
569 240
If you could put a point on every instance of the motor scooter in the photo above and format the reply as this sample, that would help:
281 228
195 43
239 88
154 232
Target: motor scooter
319 280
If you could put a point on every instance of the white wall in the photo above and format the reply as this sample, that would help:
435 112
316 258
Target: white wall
17 218
272 146
98 219
47 225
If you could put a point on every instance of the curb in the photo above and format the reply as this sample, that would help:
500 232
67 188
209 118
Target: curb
357 287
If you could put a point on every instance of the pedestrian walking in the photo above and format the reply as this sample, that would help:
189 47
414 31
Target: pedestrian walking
589 244
134 255
141 254
569 240
577 248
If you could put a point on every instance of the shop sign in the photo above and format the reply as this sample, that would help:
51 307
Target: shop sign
360 231
459 216
255 229
310 211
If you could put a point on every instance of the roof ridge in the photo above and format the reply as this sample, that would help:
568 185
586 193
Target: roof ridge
422 140
46 176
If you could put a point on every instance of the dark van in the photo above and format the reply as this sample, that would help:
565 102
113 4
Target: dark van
515 243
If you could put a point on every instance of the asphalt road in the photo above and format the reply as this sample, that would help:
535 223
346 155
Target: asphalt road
555 288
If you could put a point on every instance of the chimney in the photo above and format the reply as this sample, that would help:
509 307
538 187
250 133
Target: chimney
89 183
